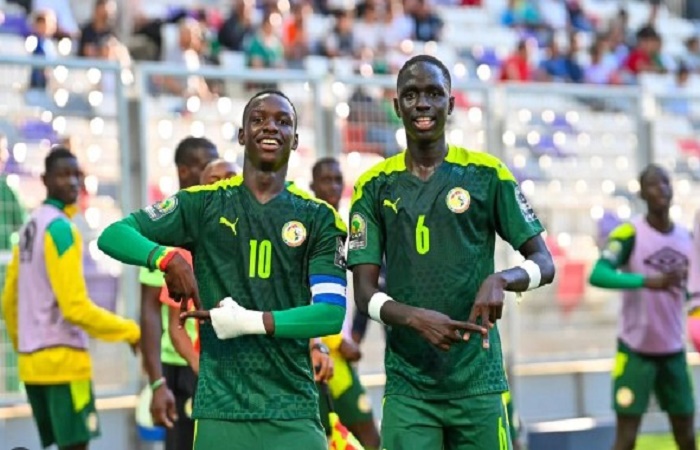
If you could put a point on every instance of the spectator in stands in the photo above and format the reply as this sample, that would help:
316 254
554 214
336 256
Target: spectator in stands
66 25
677 101
521 13
43 29
368 29
238 28
691 57
428 25
340 41
603 66
265 49
645 57
98 30
578 20
398 26
517 66
561 66
294 35
189 54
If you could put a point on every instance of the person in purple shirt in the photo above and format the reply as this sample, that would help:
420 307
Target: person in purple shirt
647 258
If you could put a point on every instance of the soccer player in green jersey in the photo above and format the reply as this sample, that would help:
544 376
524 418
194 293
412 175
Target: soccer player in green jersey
278 252
434 211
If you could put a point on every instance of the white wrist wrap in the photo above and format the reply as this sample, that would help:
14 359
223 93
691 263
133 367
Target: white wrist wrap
231 320
533 271
375 305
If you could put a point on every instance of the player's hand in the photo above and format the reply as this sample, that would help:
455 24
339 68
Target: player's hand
322 364
182 285
665 281
488 305
163 409
350 351
439 329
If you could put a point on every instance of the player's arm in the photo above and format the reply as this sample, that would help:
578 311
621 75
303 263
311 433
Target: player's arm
606 272
151 322
181 340
9 296
63 249
325 314
145 238
516 223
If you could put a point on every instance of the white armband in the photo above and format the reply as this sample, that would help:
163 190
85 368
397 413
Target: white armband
533 271
231 320
375 305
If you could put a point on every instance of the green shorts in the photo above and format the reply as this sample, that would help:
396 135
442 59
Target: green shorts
636 376
64 413
352 406
300 434
470 423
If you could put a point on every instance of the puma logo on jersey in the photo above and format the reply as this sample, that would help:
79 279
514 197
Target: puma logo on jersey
232 226
392 205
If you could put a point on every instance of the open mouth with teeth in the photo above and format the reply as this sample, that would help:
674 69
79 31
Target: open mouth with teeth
424 123
269 144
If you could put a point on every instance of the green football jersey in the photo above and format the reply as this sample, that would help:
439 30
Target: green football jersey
261 255
438 237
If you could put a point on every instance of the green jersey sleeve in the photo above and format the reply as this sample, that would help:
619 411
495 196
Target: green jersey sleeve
327 256
516 222
620 244
173 221
366 242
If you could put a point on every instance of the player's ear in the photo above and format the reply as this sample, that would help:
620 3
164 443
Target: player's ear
295 141
396 107
452 105
240 136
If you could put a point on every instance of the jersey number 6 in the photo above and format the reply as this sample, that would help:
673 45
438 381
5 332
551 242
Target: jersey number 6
422 236
260 259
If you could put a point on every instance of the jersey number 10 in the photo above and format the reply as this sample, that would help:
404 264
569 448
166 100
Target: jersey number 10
422 236
260 259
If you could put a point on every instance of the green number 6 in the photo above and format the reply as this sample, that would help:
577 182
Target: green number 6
422 236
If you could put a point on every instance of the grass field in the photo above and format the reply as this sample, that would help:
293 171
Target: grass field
656 442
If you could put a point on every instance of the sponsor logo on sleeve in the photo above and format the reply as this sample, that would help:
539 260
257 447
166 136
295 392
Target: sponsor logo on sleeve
159 210
525 208
358 232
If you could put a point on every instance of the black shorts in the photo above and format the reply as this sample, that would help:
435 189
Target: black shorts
182 381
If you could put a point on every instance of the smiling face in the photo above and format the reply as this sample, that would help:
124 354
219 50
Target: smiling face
269 132
424 102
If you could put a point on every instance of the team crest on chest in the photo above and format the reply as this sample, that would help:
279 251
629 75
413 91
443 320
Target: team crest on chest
294 233
458 200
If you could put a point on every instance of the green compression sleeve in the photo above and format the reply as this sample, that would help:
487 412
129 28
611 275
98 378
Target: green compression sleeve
306 322
123 241
605 275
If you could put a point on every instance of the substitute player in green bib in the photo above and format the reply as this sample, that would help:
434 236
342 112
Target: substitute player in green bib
270 273
434 212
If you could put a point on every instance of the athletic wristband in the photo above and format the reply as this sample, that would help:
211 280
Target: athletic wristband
165 258
375 305
158 383
533 272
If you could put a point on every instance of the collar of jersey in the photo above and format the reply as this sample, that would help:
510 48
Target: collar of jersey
69 210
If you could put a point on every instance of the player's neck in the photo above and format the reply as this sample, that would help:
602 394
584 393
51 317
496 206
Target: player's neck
423 157
660 221
265 185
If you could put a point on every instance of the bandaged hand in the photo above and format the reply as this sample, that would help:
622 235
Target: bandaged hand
231 320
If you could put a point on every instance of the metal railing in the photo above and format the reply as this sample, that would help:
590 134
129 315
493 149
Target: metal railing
575 149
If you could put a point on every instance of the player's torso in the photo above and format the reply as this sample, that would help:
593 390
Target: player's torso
652 320
439 235
256 253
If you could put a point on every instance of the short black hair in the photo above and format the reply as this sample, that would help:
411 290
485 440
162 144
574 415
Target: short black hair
322 162
270 92
185 150
648 170
424 59
56 154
